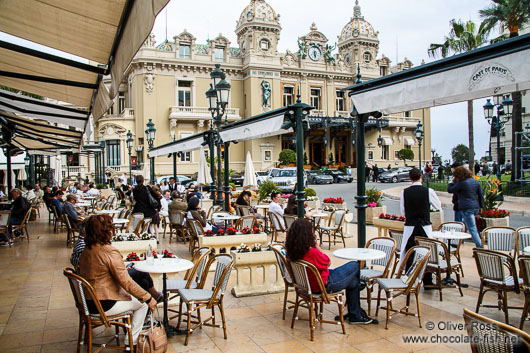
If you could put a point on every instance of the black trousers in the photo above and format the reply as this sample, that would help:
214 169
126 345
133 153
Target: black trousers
143 279
411 242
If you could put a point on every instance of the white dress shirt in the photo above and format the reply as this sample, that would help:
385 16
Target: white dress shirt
164 209
278 210
93 192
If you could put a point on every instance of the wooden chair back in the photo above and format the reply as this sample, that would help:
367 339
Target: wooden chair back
492 266
523 239
289 219
246 221
386 245
285 270
421 254
300 270
500 239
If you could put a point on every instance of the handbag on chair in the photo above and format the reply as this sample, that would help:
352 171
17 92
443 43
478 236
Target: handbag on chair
152 339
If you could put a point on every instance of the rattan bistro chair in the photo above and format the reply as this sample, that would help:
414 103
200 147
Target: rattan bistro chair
455 248
195 230
337 217
398 237
287 276
5 217
490 336
196 299
289 220
246 221
492 267
23 226
370 274
276 226
500 239
177 221
523 239
314 300
401 285
524 272
83 291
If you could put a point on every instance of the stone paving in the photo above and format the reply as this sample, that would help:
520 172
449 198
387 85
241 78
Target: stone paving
37 312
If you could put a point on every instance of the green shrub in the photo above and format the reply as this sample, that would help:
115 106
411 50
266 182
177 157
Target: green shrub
305 158
266 188
287 156
99 186
232 185
310 192
330 159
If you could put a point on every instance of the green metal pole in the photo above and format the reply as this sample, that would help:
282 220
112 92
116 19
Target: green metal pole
300 193
212 164
361 181
219 200
227 178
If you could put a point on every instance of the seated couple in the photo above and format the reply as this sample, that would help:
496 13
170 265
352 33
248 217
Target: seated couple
301 244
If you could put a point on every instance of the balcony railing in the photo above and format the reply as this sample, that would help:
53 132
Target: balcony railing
199 113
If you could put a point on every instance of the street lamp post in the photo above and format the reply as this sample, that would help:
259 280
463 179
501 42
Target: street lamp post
218 96
504 112
150 136
419 136
27 161
129 142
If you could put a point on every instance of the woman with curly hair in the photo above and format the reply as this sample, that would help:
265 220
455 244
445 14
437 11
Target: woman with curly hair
301 244
102 266
470 199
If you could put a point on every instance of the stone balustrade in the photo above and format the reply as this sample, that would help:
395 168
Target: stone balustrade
229 242
264 283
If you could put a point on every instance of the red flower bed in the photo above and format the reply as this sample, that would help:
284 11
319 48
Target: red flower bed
392 217
495 213
231 231
337 201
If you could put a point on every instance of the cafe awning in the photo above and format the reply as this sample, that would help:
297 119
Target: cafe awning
496 69
104 34
185 144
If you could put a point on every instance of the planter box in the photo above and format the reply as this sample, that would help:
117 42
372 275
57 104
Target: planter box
228 242
437 218
383 225
374 212
138 246
313 204
497 222
335 206
264 283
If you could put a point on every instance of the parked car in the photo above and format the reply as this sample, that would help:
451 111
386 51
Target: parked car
261 177
237 179
180 178
317 177
285 178
338 175
395 174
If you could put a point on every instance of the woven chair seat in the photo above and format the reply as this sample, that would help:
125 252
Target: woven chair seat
442 263
508 281
195 295
368 274
391 283
329 227
119 316
173 285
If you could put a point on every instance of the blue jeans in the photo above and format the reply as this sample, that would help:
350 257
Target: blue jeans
12 221
459 217
469 221
347 277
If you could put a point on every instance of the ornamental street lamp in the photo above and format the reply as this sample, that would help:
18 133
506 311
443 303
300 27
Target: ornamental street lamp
150 133
27 161
218 96
433 152
139 149
129 142
504 112
419 133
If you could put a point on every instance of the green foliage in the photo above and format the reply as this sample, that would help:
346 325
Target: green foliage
305 158
510 15
232 185
310 192
99 186
231 173
406 154
491 194
9 89
287 156
374 196
460 153
330 159
462 37
266 188
343 169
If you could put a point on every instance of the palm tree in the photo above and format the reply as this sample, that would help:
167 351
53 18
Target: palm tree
510 15
463 37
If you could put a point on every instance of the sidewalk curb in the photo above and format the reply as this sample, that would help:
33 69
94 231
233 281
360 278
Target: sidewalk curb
524 213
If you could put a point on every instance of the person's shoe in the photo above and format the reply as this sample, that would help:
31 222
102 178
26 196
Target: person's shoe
337 318
362 286
360 321
364 314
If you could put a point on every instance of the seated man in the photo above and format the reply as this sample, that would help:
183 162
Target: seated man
143 279
47 196
38 192
56 201
18 209
92 191
30 194
69 209
177 203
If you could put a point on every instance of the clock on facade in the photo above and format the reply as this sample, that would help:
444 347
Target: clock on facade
314 52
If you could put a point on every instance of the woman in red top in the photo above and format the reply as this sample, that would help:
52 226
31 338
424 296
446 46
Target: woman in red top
301 244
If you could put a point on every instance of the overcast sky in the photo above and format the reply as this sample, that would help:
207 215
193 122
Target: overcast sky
406 29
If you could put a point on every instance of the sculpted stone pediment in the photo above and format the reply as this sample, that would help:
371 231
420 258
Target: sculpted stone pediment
112 131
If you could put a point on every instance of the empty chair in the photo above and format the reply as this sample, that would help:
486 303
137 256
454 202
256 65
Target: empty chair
523 239
499 239
135 223
312 300
398 237
279 251
196 299
405 285
337 217
487 334
497 273
370 274
440 262
212 210
524 272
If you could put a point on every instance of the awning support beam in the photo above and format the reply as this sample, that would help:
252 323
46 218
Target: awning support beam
48 80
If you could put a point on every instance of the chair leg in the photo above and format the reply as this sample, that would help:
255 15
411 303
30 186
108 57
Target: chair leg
180 314
80 334
88 337
286 292
505 306
188 324
480 297
418 305
295 311
457 273
311 319
525 309
369 294
388 302
341 313
378 301
439 282
129 331
221 309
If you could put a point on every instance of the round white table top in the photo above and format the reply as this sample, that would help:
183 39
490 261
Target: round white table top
88 197
165 265
264 207
224 216
452 236
527 250
83 204
359 254
320 215
107 212
120 220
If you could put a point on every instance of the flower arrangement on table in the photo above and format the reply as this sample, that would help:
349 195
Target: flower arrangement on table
336 201
133 257
311 198
373 197
391 217
165 254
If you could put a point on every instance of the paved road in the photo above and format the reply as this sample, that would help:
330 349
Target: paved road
348 191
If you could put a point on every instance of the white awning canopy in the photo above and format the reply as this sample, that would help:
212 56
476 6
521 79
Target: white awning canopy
387 141
104 34
500 68
249 129
409 141
185 144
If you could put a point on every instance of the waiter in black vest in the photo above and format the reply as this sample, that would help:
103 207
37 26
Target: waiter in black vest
416 203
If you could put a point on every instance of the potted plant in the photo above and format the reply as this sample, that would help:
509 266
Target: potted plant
311 198
375 208
331 161
491 215
333 203
437 218
287 156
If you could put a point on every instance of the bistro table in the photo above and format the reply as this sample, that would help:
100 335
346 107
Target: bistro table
449 236
5 205
265 208
224 217
165 266
109 212
119 221
359 254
